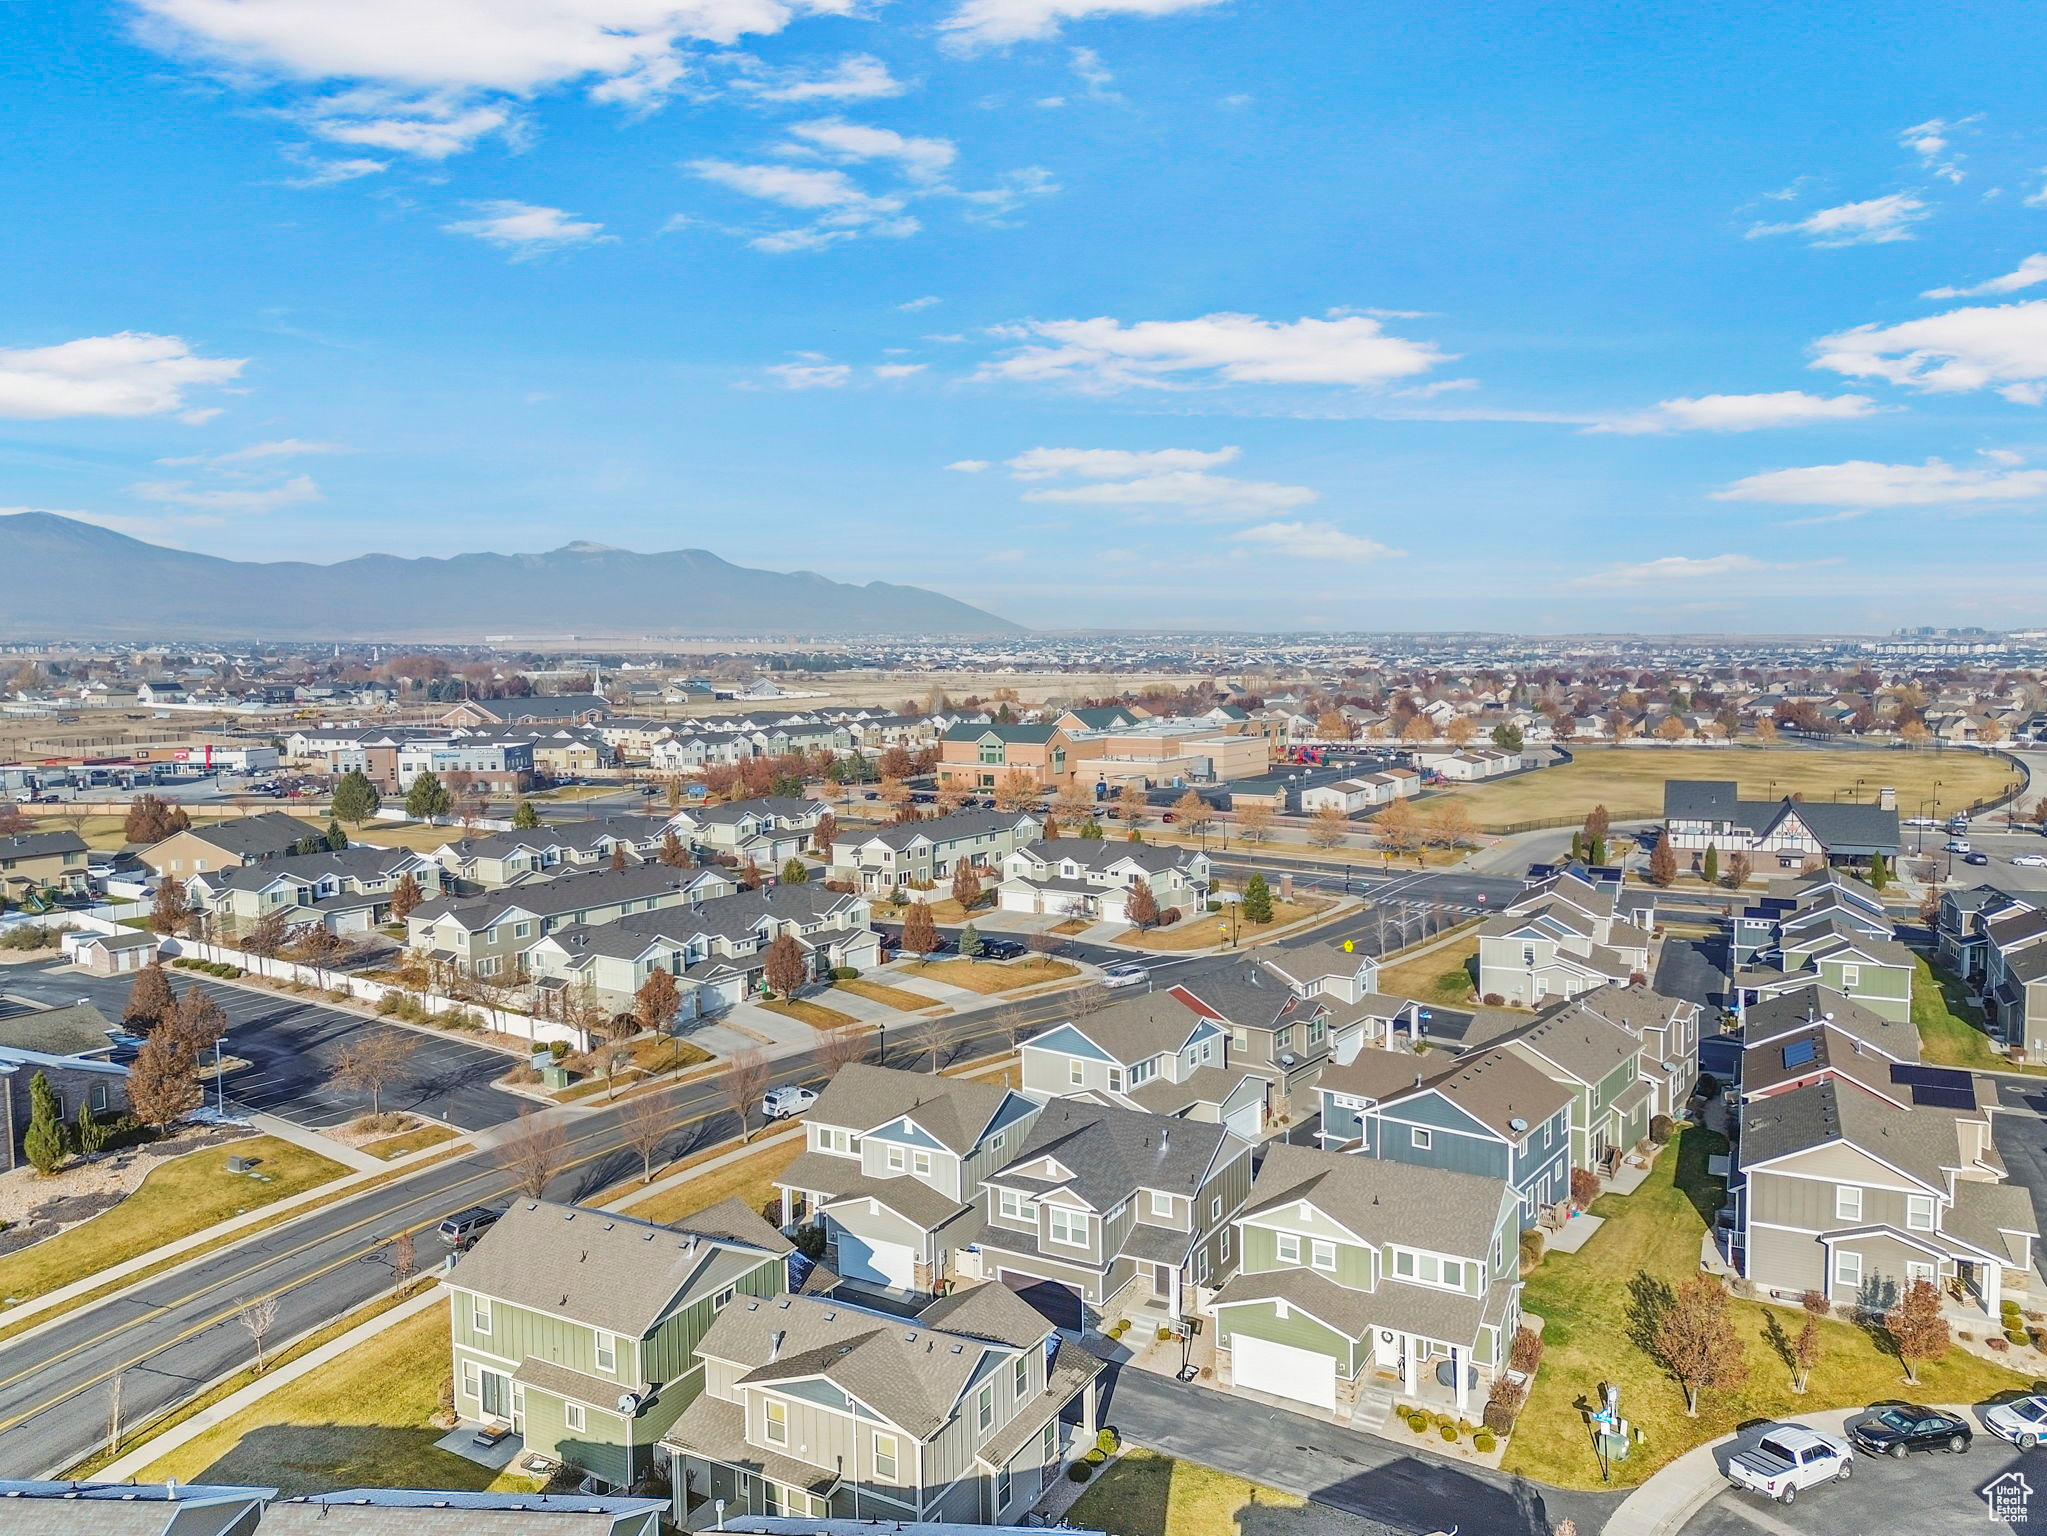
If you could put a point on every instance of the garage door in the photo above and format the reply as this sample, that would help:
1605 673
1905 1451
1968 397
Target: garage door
1284 1371
1061 1304
1246 1119
877 1263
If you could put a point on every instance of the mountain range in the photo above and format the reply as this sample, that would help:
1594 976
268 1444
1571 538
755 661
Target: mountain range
62 578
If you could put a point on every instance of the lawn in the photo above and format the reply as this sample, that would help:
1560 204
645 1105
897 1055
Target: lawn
184 1195
1145 1494
991 976
359 1422
1591 1300
1447 975
1205 930
752 1179
1628 781
816 1015
416 835
887 996
1951 1028
388 1147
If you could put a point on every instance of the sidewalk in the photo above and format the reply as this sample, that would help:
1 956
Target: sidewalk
327 1146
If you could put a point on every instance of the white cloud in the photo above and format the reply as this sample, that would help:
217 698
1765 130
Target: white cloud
923 159
1930 141
1739 413
1314 541
1010 191
328 173
1105 354
2002 347
1089 69
848 211
811 371
1877 221
857 77
1112 463
2028 272
1864 483
450 71
1193 493
897 370
976 24
911 306
281 448
1680 568
969 466
527 229
132 373
229 500
1847 516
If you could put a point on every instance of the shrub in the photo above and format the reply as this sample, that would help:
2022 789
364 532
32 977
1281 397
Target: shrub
1449 1431
1525 1354
1418 1422
1503 1405
1080 1472
2039 1338
1494 1000
1532 1245
1998 1344
1661 1129
1108 1440
28 936
1483 1442
2017 1336
845 973
1095 1457
1165 1334
1584 1187
388 1004
1169 917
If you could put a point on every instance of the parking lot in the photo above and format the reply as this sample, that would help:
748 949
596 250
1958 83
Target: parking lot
290 1047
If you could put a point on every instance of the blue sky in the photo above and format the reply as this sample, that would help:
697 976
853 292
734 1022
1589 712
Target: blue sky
1096 312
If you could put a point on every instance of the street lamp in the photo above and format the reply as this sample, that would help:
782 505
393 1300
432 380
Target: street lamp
219 1077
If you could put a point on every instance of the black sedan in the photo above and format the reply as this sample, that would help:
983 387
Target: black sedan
1895 1428
1000 949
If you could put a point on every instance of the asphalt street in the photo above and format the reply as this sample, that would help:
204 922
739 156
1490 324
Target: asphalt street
290 1046
166 1338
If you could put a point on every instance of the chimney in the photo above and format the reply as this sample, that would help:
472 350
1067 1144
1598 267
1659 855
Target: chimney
1887 799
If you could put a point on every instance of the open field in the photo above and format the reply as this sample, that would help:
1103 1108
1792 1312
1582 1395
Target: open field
751 1179
1430 977
990 976
1628 781
416 835
1598 1302
185 1195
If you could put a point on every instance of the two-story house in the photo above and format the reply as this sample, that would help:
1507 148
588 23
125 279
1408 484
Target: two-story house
1668 1028
922 853
1959 929
2014 947
1562 937
489 935
770 830
579 1328
210 845
1875 972
892 1168
1355 1271
820 1408
1102 1203
497 859
1487 1111
1150 1053
1281 1026
1601 1066
345 891
1785 834
34 862
1095 878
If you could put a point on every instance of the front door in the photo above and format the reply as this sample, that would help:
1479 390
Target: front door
1162 1282
497 1395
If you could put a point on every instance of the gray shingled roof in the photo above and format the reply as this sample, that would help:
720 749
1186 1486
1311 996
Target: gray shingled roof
1137 1028
41 845
1384 1202
569 891
939 829
1113 1152
365 863
74 1029
1579 1042
1814 1003
954 1111
1922 1142
264 835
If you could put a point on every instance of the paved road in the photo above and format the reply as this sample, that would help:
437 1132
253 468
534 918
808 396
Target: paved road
290 1047
169 1337
2021 1136
1695 969
1398 1489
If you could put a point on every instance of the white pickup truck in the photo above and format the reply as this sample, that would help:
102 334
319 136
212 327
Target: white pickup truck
1788 1459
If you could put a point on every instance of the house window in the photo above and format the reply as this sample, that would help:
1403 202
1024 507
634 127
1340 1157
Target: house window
1002 1490
1287 1248
1226 1245
1015 1208
1422 1140
984 1407
1848 1271
1023 1377
1322 1254
1161 1203
1201 1267
1851 977
479 1315
995 1142
1919 1213
1315 1032
607 1352
1215 1209
920 1162
885 1447
777 1421
1048 1442
1847 1202
99 1099
1115 1079
1076 1074
472 1380
522 930
895 1159
1283 1038
1068 1227
573 1419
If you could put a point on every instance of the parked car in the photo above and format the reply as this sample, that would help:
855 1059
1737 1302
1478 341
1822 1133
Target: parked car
1789 1459
2023 1422
465 1227
1896 1428
1125 976
1009 949
2030 860
781 1103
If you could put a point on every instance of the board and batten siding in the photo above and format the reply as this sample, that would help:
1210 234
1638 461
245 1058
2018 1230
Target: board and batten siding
1261 1320
1261 1253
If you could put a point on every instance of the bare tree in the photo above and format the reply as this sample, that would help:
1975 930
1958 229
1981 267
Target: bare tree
1805 1350
617 1057
404 1260
1254 820
741 1085
646 1123
931 1034
533 1154
258 1317
1131 804
1328 825
838 1049
372 1062
1193 813
115 1428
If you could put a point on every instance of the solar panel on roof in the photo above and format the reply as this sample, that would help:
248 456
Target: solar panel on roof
1799 1053
1931 1077
1943 1098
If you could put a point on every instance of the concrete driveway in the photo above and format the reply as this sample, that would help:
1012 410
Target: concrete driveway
291 1045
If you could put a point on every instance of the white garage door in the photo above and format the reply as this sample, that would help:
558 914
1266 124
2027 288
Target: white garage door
1246 1119
877 1263
1284 1371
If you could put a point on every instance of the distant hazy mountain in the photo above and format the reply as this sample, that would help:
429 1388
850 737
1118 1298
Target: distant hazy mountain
60 577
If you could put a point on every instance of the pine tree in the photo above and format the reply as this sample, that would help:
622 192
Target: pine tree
355 798
1257 903
795 872
428 799
525 818
93 1133
970 941
1879 872
1091 830
1710 865
337 840
43 1144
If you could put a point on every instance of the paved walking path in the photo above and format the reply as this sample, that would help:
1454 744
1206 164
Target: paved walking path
327 1146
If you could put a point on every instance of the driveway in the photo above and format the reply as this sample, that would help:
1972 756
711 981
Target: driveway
1930 1492
1404 1489
291 1045
1695 969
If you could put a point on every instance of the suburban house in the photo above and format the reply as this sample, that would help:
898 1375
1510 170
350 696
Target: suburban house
72 1047
1829 899
1102 1203
1601 1066
1284 1024
1960 931
343 892
1150 1053
488 935
538 709
1563 936
500 858
817 1407
1487 1112
39 1506
1775 834
209 845
715 949
2012 959
1360 1281
975 757
1667 1027
770 830
34 862
1093 877
579 1328
892 1168
1876 972
922 853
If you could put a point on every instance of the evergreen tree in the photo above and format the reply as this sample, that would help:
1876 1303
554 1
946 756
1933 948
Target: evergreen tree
337 840
525 818
93 1133
1091 830
1710 865
1879 872
1507 737
795 872
428 798
970 941
355 798
1577 846
1257 902
44 1143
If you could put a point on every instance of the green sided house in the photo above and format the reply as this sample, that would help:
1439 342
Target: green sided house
578 1329
1362 1281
